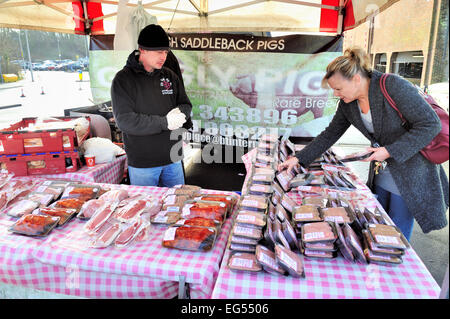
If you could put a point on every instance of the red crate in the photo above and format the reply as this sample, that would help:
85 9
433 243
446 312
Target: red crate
13 141
40 163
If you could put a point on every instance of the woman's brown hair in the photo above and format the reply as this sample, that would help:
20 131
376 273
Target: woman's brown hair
355 60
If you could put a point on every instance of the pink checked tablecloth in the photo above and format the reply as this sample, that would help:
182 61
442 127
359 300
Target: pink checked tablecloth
110 173
62 263
335 279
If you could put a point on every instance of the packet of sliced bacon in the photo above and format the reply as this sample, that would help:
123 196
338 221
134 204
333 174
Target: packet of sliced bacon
107 236
21 208
189 238
136 208
89 208
34 225
114 195
100 216
130 232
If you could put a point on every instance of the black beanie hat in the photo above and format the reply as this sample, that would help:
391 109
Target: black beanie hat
153 37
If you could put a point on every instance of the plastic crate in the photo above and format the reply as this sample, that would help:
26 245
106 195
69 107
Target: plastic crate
41 163
13 141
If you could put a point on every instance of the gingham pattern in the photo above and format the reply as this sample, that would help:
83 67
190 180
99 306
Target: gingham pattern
62 263
332 279
111 173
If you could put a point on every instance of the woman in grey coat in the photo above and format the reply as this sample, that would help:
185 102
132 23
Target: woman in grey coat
409 187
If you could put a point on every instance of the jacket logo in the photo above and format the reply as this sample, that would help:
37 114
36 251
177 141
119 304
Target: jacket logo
166 86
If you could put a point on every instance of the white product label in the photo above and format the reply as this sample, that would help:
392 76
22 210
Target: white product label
314 235
268 260
242 263
286 204
170 200
288 260
379 256
238 230
315 252
170 234
246 218
258 188
173 209
336 219
304 216
387 239
160 219
186 210
250 203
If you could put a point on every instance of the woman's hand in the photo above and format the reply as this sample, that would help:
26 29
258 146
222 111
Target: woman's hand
379 154
288 164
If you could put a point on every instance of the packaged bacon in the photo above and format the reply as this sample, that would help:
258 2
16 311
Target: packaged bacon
189 238
301 180
165 218
320 246
100 216
244 262
34 225
115 195
134 209
107 236
281 213
289 261
130 232
254 203
211 210
44 199
88 208
318 232
267 259
64 214
55 191
21 208
306 214
83 192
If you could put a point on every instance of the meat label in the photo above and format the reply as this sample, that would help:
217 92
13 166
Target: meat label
263 258
169 235
387 239
336 219
242 263
314 235
246 218
244 231
288 260
304 216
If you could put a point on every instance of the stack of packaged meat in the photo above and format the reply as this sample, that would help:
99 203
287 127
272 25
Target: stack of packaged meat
194 217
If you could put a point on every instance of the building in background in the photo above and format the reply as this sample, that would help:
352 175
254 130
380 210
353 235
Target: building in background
406 37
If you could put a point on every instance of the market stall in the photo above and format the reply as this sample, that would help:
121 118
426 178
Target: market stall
320 276
69 261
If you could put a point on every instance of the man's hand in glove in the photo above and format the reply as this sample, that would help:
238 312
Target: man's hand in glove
175 119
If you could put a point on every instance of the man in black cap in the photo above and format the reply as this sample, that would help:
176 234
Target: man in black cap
149 102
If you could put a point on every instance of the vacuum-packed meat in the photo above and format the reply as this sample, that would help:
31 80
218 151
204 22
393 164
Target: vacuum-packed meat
88 209
244 262
21 208
100 217
267 259
289 261
115 195
63 213
132 210
317 232
130 232
210 210
75 203
189 238
34 225
107 237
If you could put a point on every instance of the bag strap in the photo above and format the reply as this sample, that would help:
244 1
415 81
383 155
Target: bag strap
388 97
